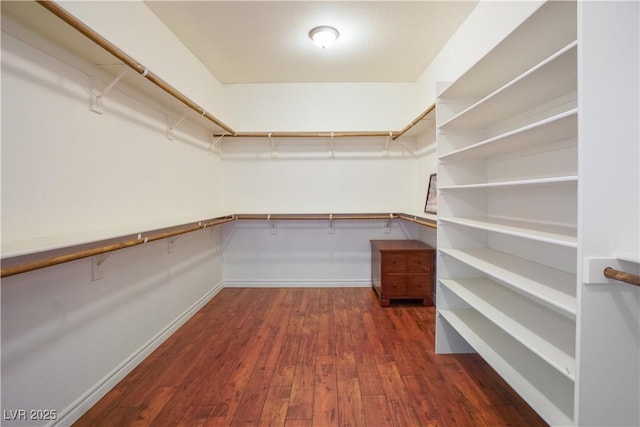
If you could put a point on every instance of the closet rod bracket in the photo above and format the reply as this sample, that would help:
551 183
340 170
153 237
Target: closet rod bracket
172 241
97 262
171 127
387 228
386 145
97 96
609 271
272 225
216 141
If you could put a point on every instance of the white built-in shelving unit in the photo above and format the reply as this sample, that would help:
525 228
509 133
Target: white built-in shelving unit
507 210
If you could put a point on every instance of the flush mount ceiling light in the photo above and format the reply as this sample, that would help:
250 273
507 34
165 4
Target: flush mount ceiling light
323 36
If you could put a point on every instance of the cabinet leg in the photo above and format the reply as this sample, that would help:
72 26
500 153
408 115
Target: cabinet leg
385 302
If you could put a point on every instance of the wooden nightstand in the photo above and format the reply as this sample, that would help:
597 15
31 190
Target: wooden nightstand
402 269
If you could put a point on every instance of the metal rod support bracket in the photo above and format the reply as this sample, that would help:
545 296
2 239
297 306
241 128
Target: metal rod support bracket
272 225
214 144
274 151
172 241
171 127
333 149
97 96
387 228
97 271
386 145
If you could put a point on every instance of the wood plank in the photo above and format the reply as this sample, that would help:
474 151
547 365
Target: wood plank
253 398
150 409
194 416
298 423
376 411
231 394
325 392
350 407
274 411
398 397
301 399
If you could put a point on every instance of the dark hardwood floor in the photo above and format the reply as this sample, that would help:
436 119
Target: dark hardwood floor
309 357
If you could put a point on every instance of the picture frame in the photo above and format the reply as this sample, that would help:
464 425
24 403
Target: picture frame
431 205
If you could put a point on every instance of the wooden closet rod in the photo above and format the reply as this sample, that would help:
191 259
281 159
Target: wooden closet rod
128 60
414 122
622 276
307 134
317 217
60 259
421 221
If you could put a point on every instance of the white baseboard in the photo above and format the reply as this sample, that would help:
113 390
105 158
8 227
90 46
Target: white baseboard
297 283
74 411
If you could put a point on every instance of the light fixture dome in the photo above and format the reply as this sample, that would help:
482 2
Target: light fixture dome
323 36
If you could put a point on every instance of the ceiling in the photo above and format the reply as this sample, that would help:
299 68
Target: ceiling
267 41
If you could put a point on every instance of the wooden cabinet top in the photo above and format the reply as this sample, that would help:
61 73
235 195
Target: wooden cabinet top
398 245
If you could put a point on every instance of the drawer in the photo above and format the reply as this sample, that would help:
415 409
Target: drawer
419 262
394 286
419 285
393 262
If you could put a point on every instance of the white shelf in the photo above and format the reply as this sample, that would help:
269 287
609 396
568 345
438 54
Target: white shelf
549 394
551 27
507 145
544 83
549 233
547 334
572 179
554 288
559 127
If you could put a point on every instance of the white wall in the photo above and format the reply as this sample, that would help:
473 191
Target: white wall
68 171
319 186
305 253
322 106
608 385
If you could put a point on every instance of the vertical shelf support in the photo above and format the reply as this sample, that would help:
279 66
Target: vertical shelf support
96 96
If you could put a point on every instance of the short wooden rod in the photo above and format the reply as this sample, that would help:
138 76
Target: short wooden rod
622 276
414 122
421 221
355 134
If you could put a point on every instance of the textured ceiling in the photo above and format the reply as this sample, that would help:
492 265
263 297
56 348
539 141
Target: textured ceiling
267 41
